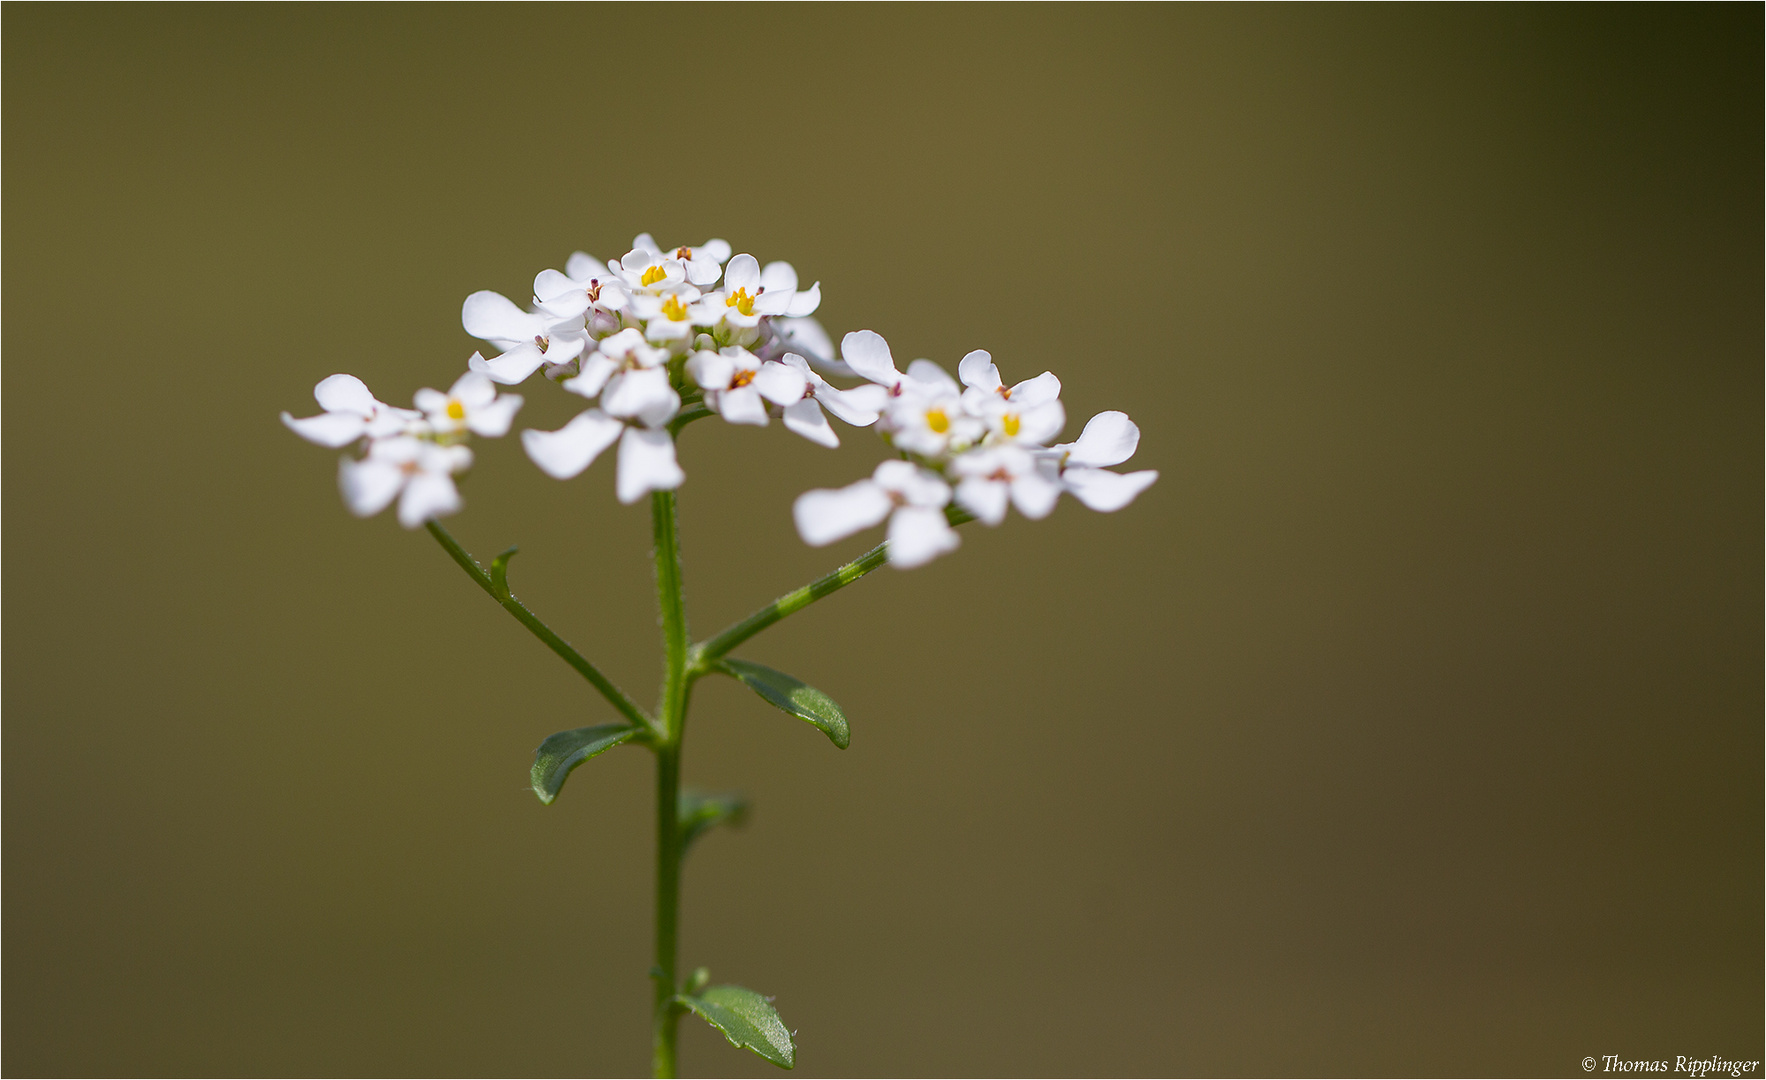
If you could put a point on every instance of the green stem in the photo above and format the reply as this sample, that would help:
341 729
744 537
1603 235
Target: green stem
497 585
671 714
666 1014
713 649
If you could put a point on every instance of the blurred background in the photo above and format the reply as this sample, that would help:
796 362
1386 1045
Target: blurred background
1410 724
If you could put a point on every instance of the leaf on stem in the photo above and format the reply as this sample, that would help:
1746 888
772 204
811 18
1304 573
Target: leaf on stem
566 750
500 573
746 1019
701 811
792 695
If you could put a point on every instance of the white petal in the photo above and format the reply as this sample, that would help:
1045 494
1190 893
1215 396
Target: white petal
858 406
778 383
1033 392
773 302
805 302
807 336
331 429
920 487
550 284
494 317
1042 423
368 486
867 354
644 394
428 496
805 417
984 498
1103 490
431 401
511 367
646 463
933 376
596 370
743 273
918 535
710 371
1109 438
714 249
742 406
977 369
473 390
585 267
344 393
824 516
1034 495
493 420
778 277
572 448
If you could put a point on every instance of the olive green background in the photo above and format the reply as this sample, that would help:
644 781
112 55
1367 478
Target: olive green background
1410 724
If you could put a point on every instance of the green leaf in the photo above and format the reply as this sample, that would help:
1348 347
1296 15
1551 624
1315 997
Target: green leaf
797 698
746 1019
700 811
566 750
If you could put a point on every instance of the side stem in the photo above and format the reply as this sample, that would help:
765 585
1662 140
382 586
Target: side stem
671 714
497 585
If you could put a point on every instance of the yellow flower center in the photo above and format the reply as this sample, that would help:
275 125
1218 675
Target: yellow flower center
653 275
1010 425
673 308
456 411
742 378
683 253
937 421
741 301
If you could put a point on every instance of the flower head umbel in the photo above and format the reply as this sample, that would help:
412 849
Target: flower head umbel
663 336
407 454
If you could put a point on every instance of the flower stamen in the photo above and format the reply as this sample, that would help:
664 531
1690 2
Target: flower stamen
653 275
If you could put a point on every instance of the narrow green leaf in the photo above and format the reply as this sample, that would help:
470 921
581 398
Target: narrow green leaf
794 696
566 750
746 1019
500 573
700 811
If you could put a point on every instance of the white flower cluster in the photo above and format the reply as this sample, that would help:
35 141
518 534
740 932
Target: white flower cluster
979 443
660 337
407 454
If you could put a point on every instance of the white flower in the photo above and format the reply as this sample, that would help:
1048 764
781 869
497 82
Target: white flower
1030 412
350 413
671 316
750 292
472 404
926 415
735 381
586 282
912 498
858 406
631 377
421 470
528 339
988 476
1109 438
702 264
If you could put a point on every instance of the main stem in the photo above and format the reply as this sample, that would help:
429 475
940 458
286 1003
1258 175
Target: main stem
671 714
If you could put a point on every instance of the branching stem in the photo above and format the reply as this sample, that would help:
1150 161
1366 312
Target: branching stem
497 585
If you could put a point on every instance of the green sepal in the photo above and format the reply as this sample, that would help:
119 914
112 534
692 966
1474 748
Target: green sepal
746 1019
700 811
566 750
793 696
